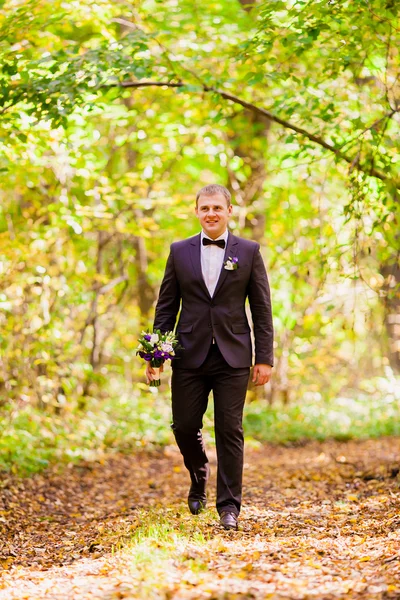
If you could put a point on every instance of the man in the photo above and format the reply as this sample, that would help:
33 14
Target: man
208 277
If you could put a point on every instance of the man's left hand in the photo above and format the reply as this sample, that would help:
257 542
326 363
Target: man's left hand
261 374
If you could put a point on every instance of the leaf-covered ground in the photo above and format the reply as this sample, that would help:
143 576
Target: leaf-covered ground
319 521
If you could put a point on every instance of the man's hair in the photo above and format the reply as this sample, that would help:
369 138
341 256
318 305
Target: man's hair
211 190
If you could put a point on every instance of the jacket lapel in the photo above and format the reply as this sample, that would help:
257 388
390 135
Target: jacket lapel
230 250
196 262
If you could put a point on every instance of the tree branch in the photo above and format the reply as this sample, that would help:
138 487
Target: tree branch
262 111
109 286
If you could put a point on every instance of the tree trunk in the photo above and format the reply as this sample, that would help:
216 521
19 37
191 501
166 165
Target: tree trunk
391 273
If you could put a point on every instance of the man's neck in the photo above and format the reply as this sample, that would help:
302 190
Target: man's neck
221 236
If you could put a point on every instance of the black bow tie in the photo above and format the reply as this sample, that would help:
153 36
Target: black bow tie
219 243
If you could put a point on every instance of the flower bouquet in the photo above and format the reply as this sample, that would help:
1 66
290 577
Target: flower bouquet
156 348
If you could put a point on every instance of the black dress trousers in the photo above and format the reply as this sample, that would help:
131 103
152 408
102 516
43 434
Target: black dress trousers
190 391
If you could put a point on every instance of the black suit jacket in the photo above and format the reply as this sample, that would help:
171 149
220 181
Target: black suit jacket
221 316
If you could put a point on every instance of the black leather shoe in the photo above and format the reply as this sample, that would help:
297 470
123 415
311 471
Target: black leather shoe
228 520
196 506
197 498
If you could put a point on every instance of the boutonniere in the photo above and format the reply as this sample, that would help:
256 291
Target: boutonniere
231 264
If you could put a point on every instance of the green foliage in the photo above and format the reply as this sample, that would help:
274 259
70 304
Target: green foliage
293 105
31 440
341 419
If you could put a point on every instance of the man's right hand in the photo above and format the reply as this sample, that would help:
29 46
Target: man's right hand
150 372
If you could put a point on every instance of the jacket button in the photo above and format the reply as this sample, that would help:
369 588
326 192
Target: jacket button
212 304
209 325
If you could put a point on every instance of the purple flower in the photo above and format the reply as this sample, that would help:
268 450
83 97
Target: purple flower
156 348
146 355
231 264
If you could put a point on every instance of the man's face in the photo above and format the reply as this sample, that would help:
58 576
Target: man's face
213 213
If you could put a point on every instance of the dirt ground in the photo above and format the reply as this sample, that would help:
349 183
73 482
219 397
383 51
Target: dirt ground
318 521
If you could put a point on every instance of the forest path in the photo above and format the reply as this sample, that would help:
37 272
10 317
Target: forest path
319 521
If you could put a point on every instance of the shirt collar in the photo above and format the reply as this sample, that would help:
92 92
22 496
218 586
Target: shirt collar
224 236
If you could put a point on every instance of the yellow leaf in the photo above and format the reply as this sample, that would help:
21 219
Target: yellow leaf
242 574
313 564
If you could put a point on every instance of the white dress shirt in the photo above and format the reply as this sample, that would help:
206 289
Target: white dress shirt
212 258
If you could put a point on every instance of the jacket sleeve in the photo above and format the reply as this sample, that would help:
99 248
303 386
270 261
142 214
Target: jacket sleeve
260 305
169 298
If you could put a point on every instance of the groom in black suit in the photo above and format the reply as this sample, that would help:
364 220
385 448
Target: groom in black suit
208 278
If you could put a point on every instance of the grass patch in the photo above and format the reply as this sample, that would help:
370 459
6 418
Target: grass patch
164 542
339 419
31 439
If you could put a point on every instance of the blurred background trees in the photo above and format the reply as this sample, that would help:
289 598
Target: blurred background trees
113 115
